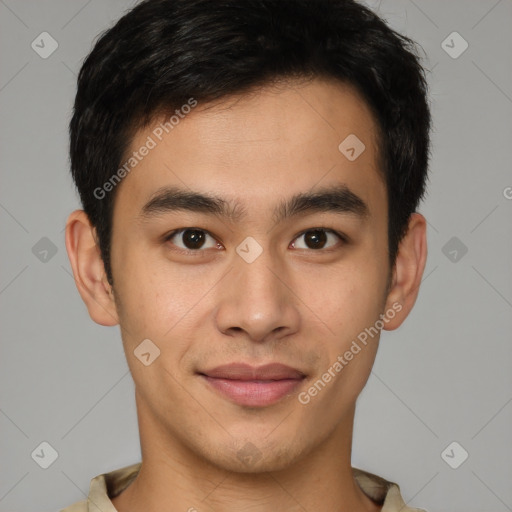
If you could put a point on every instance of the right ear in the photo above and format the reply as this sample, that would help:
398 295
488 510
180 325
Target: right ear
89 270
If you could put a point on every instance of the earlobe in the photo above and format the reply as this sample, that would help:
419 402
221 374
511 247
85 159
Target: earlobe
408 271
88 269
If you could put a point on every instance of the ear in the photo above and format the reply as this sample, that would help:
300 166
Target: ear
408 271
89 270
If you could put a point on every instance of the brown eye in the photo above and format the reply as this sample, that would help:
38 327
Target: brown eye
317 239
191 239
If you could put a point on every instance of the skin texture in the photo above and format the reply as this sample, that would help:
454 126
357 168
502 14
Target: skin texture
299 306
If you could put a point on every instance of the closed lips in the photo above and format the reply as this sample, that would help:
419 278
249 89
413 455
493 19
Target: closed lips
246 372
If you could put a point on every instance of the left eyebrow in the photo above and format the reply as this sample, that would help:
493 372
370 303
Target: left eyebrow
337 199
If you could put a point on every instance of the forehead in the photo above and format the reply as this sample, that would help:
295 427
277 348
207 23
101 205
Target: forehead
253 146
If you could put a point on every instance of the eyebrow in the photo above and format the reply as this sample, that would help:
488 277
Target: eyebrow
337 199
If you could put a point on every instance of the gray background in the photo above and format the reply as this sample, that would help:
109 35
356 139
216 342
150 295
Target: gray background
443 376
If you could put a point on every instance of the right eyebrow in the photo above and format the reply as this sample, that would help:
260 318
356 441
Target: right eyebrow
171 199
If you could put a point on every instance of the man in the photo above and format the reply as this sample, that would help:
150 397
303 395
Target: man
250 173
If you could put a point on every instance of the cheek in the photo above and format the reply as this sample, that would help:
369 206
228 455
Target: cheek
160 299
143 293
348 298
349 303
349 307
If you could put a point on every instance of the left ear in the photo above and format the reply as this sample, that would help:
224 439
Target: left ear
408 271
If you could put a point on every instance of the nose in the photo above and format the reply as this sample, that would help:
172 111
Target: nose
257 300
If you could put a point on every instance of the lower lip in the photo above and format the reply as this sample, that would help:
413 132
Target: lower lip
254 393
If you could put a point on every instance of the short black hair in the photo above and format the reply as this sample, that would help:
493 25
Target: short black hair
161 53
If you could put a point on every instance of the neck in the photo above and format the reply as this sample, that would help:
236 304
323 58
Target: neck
174 477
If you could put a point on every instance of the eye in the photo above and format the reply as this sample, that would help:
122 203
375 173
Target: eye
192 239
318 238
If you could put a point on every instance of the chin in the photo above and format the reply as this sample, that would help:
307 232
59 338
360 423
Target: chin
254 456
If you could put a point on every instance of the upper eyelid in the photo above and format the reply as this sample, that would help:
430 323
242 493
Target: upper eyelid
319 228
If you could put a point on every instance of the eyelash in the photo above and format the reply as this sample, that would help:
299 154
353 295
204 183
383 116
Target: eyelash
344 239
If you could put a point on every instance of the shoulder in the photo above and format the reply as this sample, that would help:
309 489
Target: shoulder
103 487
382 491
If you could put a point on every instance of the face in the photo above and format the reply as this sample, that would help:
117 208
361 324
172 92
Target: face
246 275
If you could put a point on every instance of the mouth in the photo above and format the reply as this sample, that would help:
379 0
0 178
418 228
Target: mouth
253 386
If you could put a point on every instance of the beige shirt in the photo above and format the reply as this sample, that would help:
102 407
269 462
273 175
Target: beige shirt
109 485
